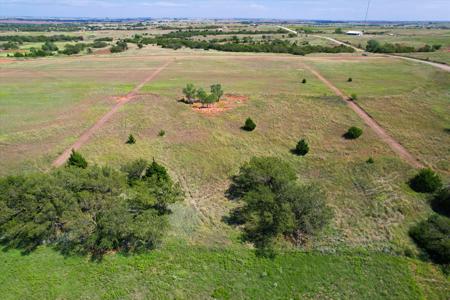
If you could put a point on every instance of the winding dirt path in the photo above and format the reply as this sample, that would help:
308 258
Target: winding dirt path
371 122
86 136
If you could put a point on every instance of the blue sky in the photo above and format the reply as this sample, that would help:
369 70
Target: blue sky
299 9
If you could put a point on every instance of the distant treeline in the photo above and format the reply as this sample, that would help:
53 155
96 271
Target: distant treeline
40 38
376 47
167 27
66 27
191 33
276 46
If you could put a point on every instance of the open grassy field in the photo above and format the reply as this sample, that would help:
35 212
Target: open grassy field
180 272
45 105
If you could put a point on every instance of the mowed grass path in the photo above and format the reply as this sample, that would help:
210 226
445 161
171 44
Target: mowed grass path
180 272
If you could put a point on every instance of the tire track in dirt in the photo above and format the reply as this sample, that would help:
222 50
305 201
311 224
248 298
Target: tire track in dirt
86 136
371 122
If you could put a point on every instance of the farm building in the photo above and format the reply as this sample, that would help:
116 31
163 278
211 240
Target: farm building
359 33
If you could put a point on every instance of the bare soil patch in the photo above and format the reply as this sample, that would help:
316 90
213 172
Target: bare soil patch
103 51
228 102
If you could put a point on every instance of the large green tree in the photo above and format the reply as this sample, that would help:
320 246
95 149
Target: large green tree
274 204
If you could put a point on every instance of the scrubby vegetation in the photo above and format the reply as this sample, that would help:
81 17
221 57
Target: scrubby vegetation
433 235
275 46
426 181
87 211
441 201
302 148
40 38
77 160
131 140
249 125
353 133
375 47
120 46
275 204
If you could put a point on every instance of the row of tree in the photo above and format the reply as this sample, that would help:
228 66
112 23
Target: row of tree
40 38
376 47
192 33
433 234
276 46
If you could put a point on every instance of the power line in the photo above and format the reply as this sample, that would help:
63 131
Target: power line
367 12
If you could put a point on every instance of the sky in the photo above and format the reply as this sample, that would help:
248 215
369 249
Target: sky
389 10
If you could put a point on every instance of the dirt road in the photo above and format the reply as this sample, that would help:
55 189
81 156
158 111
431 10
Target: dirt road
88 133
434 64
372 123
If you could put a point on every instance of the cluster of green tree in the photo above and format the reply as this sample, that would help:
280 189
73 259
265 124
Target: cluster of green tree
40 38
275 204
104 39
120 46
276 46
90 210
376 47
193 95
308 30
168 27
433 234
98 44
47 49
74 49
121 27
191 33
10 46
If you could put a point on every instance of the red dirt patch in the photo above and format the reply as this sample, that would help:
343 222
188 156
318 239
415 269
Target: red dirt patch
103 51
228 102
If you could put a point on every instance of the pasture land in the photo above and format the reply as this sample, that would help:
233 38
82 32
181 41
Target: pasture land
45 105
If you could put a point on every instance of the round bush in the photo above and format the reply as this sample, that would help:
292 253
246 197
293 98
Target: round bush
432 236
441 201
426 181
302 148
249 125
353 133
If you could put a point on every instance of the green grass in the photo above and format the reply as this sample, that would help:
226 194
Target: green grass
49 102
408 99
181 272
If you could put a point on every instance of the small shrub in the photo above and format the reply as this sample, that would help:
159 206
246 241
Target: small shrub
353 97
426 181
441 201
349 79
304 81
162 133
131 140
370 160
353 133
249 125
77 160
302 148
433 235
